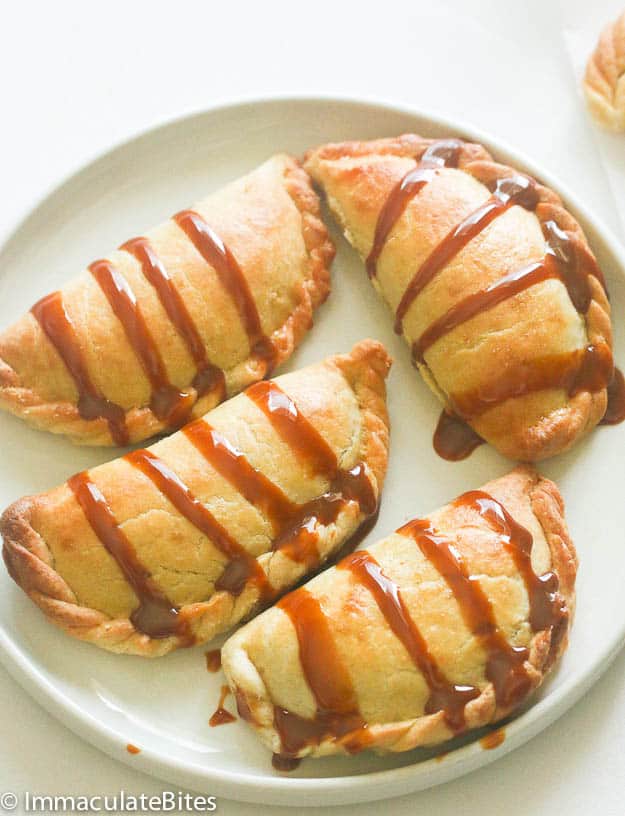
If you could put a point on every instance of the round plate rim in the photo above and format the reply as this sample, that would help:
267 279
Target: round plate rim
373 786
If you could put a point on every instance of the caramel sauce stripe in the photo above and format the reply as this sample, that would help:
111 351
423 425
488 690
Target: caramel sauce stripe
57 325
208 377
218 256
168 403
156 615
444 696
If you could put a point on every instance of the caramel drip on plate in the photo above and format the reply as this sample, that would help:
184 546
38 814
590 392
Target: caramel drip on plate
298 539
493 739
209 377
508 192
444 152
156 615
337 714
453 438
216 254
213 660
168 403
444 695
285 763
242 567
221 716
59 328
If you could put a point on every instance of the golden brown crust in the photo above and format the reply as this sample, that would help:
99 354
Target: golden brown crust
49 547
357 178
60 415
532 500
604 80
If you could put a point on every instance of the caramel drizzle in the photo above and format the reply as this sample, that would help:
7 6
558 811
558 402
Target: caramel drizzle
508 192
292 426
168 403
547 609
337 713
156 615
505 666
505 663
220 258
444 695
295 525
209 377
242 567
298 540
52 316
444 152
507 287
589 369
222 716
230 463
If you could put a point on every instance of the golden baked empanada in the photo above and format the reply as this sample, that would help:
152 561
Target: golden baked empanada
446 625
169 546
492 284
166 327
604 81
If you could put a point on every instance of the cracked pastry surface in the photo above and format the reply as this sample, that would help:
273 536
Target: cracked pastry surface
445 625
604 80
174 321
171 545
491 282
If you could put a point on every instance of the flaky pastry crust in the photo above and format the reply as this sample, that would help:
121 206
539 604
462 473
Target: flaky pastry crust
270 221
357 178
388 686
54 555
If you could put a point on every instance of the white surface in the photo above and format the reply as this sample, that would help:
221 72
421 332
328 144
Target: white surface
76 85
164 708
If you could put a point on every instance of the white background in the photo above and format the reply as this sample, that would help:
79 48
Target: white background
76 77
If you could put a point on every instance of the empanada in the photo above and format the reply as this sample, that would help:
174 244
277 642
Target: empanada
604 80
446 625
492 284
169 546
172 323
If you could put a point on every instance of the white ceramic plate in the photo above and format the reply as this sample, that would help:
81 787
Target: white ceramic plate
163 706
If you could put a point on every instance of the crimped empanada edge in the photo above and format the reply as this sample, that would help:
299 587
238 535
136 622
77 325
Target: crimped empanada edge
30 561
64 418
560 430
428 730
